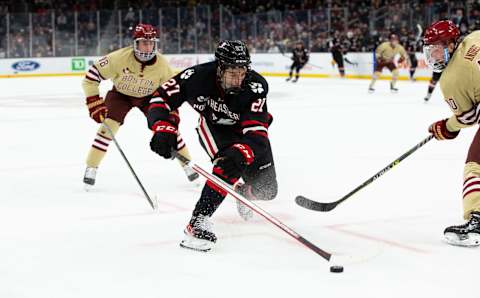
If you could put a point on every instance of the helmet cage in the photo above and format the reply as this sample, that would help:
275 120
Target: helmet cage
145 56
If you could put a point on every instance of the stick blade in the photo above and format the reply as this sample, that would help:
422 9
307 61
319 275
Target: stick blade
314 205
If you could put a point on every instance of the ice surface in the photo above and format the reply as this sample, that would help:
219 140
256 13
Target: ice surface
328 136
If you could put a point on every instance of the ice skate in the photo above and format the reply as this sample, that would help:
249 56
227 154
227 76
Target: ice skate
393 89
89 178
467 234
198 234
191 174
427 97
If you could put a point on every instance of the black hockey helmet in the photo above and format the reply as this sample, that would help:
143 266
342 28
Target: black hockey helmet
232 54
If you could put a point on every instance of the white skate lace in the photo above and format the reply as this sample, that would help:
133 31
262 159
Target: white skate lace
471 224
202 223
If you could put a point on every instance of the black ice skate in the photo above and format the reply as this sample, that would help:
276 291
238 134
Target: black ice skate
371 90
393 88
295 80
288 79
198 234
427 98
89 177
467 234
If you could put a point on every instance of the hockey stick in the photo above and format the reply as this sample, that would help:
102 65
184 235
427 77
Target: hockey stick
325 207
419 33
129 166
308 63
229 189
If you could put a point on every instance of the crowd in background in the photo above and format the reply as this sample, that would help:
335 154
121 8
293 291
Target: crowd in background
45 28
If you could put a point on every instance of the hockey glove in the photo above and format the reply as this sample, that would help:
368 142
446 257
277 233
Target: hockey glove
97 108
440 131
164 139
233 160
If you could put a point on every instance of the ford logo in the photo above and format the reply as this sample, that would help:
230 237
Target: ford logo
25 65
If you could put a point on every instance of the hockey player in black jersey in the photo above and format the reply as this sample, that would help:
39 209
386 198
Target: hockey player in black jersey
339 50
300 57
413 46
233 130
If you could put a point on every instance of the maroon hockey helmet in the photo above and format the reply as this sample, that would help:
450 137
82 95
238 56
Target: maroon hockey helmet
437 39
441 32
145 32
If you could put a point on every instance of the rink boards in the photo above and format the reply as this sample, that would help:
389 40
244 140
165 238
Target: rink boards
321 65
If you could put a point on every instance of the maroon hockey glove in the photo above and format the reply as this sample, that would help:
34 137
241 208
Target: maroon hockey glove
233 160
440 131
96 108
164 139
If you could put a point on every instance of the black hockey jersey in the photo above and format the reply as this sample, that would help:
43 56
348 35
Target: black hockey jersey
337 46
300 56
245 113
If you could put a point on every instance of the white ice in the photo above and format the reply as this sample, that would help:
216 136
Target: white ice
328 136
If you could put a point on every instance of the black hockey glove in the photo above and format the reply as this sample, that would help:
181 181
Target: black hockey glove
164 139
233 160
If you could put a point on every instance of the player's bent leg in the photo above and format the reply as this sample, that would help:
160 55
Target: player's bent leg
98 150
468 234
260 184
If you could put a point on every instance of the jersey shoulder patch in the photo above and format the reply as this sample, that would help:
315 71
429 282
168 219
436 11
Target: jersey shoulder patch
258 85
187 73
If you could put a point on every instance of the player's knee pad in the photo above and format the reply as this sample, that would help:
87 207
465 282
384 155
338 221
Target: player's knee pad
266 190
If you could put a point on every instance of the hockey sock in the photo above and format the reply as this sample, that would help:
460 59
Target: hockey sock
471 188
412 72
101 142
209 201
183 150
374 79
212 195
431 86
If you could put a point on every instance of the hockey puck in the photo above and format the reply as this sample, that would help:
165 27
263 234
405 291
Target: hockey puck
336 269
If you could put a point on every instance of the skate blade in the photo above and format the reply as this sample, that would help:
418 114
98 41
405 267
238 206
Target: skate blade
196 244
471 240
87 187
